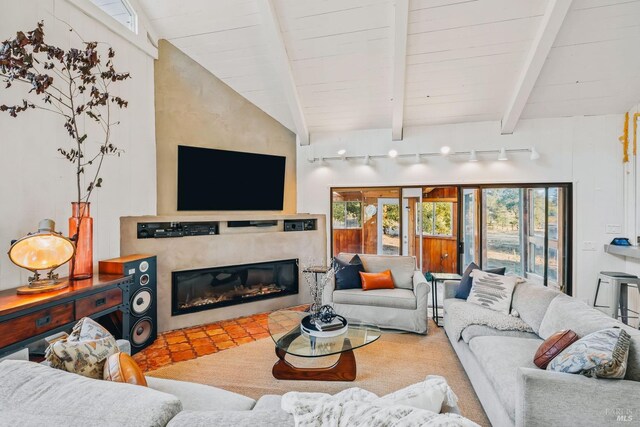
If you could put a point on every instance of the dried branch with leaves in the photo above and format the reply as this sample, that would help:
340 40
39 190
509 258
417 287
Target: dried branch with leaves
75 84
71 83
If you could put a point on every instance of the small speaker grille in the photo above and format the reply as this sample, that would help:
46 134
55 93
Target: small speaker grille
144 266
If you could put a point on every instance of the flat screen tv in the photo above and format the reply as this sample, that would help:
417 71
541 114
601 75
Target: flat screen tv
221 180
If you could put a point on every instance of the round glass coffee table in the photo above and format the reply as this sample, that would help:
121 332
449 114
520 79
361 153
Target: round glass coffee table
284 328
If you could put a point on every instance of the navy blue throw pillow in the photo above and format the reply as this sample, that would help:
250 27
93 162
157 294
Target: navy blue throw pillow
348 273
465 283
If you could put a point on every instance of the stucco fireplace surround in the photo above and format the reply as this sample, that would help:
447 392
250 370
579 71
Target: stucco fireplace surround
232 246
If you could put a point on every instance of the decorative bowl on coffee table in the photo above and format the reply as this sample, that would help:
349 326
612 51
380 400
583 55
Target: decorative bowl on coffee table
284 328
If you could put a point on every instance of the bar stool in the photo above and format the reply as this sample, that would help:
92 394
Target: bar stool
618 293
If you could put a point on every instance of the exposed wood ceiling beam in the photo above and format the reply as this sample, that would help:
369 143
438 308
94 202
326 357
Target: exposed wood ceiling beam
399 67
542 44
278 47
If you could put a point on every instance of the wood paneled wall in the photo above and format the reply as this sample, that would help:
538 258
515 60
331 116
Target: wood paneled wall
433 248
440 194
347 240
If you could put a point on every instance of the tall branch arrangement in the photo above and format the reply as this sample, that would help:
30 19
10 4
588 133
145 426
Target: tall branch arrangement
74 84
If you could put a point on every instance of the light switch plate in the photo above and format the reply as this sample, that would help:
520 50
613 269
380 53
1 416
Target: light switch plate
588 245
613 229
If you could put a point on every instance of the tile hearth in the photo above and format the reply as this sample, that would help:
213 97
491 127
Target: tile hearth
188 343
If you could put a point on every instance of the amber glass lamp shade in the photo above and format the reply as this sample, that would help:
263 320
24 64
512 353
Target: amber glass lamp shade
41 251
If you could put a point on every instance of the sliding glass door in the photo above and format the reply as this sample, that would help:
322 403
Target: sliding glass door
502 240
470 237
524 228
412 242
388 226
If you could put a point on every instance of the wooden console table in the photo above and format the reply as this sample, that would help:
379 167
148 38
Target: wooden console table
25 319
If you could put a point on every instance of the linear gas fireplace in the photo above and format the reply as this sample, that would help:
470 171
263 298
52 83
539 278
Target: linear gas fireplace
207 288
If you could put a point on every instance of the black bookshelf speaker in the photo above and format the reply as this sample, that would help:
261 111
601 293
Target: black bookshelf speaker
140 308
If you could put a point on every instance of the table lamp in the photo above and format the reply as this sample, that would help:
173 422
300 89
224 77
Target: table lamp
43 250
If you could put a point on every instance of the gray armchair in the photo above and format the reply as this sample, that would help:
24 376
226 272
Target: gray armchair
404 307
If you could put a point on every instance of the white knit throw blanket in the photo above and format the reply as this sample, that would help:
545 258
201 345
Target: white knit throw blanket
356 407
462 314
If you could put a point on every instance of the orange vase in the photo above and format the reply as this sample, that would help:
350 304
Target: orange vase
81 231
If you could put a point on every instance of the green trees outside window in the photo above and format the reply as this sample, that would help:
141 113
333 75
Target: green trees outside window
347 214
437 219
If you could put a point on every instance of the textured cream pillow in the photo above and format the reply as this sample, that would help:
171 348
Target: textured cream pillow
430 394
492 291
84 351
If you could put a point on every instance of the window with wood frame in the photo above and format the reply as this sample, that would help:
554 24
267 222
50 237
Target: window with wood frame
347 215
437 219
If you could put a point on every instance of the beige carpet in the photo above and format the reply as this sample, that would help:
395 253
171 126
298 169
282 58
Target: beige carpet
395 361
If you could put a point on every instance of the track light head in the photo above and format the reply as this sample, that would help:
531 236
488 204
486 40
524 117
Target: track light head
534 154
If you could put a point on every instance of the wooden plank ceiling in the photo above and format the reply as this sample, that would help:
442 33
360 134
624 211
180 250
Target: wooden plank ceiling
463 57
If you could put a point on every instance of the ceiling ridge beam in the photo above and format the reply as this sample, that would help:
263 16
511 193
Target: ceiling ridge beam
399 67
542 43
283 68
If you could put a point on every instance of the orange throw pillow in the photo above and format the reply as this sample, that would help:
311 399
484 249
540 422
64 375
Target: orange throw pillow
121 368
376 280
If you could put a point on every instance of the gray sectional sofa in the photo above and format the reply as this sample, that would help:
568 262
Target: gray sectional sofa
35 395
513 391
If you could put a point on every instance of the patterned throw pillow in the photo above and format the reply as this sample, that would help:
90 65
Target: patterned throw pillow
492 291
601 354
463 289
84 351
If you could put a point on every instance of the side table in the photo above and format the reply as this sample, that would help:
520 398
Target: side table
316 270
435 278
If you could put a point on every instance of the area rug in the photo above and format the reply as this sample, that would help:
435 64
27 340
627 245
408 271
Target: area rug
395 361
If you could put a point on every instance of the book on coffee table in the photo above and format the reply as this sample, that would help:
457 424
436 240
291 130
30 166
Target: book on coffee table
334 325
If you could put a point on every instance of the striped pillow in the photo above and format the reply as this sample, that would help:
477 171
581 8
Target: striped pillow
492 291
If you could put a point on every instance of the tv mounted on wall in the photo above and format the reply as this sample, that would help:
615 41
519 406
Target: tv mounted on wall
221 180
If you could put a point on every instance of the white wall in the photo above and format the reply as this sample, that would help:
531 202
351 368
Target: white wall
581 150
37 183
633 208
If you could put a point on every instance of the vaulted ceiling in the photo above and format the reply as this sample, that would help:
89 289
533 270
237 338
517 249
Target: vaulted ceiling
336 65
